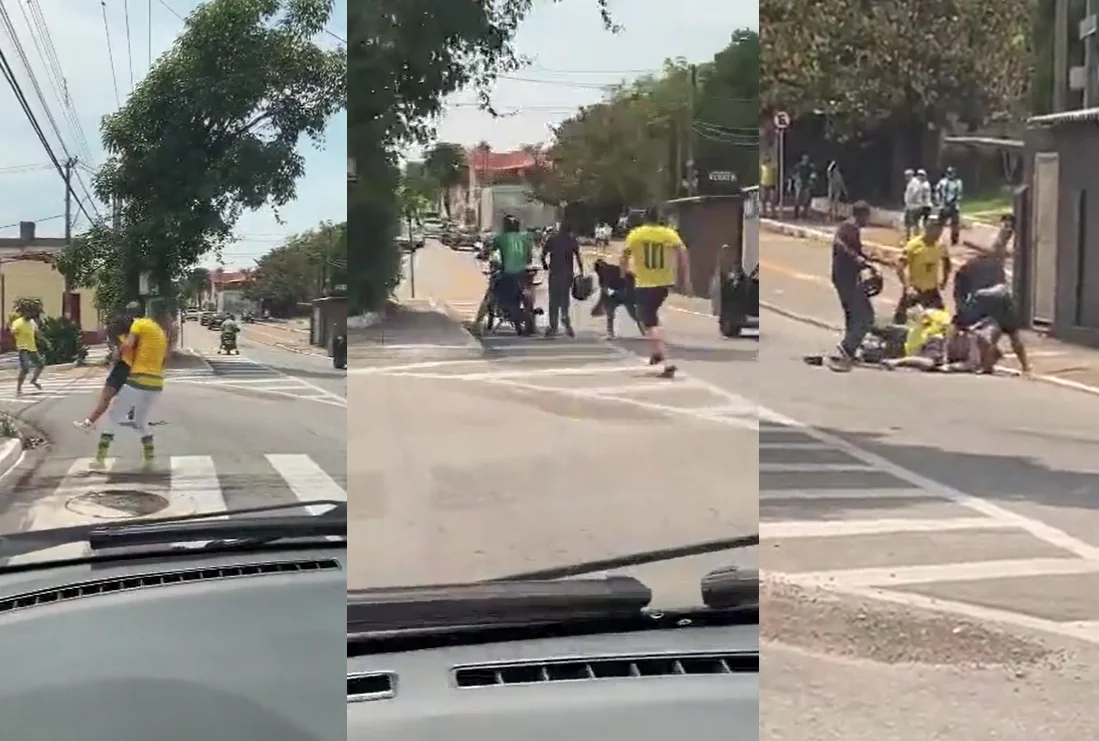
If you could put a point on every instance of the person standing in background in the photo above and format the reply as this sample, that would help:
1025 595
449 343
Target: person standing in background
837 191
24 330
768 200
805 177
948 197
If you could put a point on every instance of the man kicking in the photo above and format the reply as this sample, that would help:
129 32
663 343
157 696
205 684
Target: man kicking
119 330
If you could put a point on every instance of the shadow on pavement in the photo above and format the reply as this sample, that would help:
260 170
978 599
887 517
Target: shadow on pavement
1003 478
745 354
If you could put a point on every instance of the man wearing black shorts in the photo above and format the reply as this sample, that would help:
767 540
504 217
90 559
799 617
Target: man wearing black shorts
120 371
657 257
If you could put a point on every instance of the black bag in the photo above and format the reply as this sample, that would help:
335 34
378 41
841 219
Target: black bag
582 287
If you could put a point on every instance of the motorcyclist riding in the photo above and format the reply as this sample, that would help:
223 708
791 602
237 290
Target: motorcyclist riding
229 332
510 286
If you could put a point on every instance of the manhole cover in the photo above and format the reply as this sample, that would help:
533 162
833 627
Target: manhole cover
115 503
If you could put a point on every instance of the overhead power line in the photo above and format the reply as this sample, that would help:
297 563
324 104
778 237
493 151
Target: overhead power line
110 53
9 75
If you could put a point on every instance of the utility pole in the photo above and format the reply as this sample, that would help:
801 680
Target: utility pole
1060 56
692 179
69 165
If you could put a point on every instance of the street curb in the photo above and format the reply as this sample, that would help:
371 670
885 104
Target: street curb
820 323
803 232
445 310
297 350
11 451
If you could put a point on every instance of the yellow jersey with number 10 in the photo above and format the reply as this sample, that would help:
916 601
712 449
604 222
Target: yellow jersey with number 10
653 252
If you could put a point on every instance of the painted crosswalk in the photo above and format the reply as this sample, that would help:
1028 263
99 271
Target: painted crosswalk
838 517
123 491
226 372
243 373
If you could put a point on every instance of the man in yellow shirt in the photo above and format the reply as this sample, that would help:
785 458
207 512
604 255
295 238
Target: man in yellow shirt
924 269
24 330
147 345
657 257
767 177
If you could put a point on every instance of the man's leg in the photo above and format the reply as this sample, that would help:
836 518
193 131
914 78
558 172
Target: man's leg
24 369
565 303
610 308
39 364
553 321
116 418
144 403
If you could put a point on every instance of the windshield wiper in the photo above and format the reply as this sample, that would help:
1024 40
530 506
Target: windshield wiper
29 541
223 532
497 605
723 588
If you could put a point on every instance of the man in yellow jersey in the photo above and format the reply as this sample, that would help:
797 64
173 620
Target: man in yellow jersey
657 257
924 269
24 330
767 177
148 343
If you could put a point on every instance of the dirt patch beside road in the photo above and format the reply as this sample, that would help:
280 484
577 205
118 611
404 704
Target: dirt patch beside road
824 622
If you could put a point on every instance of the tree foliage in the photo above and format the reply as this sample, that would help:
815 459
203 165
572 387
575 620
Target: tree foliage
404 57
631 148
445 164
210 132
307 266
895 60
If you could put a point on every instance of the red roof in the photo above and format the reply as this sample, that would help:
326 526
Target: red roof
489 161
221 277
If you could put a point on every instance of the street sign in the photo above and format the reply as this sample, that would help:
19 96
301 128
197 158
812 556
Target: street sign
782 120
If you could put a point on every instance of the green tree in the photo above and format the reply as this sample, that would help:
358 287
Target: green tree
446 164
195 285
632 148
898 63
307 266
210 132
407 55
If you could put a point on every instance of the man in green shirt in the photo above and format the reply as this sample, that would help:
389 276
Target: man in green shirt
516 252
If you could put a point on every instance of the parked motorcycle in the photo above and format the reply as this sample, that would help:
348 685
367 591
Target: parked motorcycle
519 311
739 305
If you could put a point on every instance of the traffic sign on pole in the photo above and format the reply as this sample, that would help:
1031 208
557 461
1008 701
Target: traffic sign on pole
782 120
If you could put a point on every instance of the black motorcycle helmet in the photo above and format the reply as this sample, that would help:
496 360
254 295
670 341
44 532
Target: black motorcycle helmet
871 281
511 224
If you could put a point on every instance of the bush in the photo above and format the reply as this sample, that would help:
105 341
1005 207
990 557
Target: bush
63 342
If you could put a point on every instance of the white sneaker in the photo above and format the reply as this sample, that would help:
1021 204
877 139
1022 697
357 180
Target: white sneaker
84 425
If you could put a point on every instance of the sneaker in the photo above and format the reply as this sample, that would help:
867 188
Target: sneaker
84 425
668 372
656 359
37 385
570 332
840 362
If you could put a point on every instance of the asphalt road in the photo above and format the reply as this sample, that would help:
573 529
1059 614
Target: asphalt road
266 428
477 459
921 526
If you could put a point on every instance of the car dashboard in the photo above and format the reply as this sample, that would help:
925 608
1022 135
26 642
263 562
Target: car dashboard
696 683
228 646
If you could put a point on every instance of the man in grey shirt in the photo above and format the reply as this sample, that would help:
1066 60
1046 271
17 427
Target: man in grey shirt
561 258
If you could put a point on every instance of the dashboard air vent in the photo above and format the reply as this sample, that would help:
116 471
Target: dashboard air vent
611 667
366 686
100 587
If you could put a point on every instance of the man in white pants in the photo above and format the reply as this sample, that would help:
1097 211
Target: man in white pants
148 343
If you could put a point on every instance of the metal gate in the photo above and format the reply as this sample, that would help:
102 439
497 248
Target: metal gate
1044 237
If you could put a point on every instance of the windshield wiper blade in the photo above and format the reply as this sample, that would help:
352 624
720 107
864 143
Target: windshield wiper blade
728 587
422 609
29 541
635 559
231 531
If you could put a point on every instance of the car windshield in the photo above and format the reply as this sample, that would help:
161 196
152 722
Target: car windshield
516 417
121 401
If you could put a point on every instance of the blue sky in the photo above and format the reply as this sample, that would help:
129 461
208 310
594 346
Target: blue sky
30 189
572 56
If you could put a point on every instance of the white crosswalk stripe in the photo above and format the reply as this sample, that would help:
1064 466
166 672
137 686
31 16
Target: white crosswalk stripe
242 372
186 485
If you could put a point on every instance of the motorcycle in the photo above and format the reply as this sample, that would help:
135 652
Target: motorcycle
228 344
519 310
738 308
